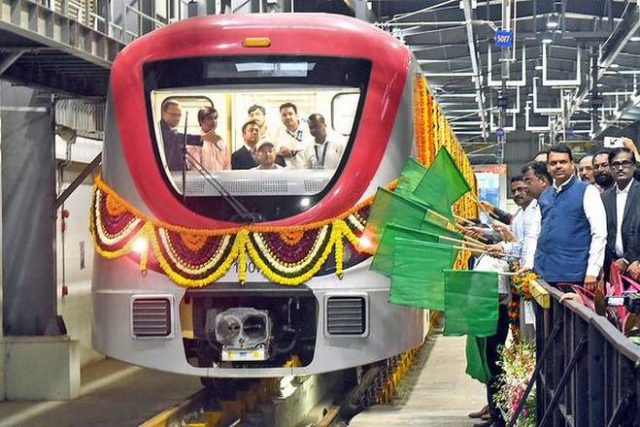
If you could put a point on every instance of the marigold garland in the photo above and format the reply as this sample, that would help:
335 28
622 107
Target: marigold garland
196 258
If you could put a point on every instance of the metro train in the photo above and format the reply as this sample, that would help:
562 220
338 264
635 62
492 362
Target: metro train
248 272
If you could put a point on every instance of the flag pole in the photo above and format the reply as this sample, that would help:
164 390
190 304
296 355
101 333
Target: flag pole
471 244
458 227
463 219
491 215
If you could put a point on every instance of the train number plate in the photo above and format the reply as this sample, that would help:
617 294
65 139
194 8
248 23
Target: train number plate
255 354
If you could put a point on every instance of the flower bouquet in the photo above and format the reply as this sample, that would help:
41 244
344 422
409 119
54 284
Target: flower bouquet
518 363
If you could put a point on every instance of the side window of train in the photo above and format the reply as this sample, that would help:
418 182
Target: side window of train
344 106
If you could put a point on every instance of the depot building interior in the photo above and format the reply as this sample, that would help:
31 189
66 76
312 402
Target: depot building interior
512 77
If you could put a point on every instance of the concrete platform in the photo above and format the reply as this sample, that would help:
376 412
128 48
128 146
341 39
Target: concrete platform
438 394
112 394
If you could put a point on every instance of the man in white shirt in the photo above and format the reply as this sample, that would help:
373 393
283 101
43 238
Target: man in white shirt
326 150
585 169
621 203
292 140
525 226
574 226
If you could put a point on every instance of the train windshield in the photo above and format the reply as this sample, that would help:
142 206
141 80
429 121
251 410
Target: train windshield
254 138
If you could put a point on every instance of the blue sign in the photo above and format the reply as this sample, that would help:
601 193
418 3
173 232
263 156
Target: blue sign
499 132
504 38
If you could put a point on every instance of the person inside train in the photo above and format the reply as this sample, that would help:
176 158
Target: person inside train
258 114
266 156
326 150
245 157
214 153
292 139
172 140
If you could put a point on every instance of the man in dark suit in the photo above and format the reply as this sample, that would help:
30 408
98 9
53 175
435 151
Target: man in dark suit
622 204
172 140
245 156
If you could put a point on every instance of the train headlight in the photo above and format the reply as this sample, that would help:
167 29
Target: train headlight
243 332
140 245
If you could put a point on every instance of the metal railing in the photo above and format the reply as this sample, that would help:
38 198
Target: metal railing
121 20
587 371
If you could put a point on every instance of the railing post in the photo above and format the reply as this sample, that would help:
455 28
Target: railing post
581 402
557 362
595 362
551 412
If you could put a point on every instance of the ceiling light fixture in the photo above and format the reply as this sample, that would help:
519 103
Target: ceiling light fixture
547 39
552 22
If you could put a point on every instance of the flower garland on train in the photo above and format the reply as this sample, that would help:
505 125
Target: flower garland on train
193 257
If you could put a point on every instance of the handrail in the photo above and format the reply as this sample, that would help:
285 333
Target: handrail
602 325
145 16
587 373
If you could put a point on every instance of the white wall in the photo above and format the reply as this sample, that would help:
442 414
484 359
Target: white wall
76 308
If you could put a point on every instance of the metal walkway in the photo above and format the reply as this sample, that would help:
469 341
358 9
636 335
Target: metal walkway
56 44
439 393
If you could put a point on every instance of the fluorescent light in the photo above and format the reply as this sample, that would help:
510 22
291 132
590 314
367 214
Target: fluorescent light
538 67
635 39
552 25
547 40
614 66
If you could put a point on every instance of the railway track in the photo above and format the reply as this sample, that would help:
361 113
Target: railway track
320 400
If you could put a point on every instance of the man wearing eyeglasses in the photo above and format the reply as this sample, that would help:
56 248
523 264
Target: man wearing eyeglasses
621 204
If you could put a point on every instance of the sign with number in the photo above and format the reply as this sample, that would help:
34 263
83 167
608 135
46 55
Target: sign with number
504 38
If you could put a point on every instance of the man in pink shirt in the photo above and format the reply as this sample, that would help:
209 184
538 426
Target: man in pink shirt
214 155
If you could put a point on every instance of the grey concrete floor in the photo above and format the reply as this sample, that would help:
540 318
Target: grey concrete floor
438 394
114 394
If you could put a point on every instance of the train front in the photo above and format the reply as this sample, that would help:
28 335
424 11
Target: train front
240 158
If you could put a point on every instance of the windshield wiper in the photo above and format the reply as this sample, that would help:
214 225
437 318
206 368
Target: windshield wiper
242 213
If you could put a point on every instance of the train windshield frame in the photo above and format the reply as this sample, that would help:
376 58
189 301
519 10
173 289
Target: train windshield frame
203 114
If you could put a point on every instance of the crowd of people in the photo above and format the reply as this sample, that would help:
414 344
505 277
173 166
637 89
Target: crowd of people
573 222
293 145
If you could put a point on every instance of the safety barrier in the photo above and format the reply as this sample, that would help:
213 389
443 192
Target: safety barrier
587 372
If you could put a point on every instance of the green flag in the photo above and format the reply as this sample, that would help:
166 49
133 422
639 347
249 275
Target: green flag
416 278
470 302
476 351
435 226
442 185
410 177
389 207
383 260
